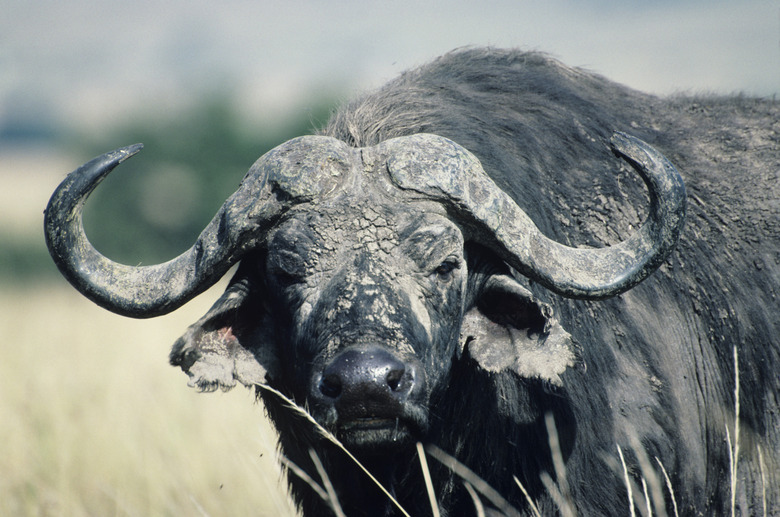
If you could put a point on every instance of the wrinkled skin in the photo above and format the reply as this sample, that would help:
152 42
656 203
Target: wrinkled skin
411 306
355 279
363 279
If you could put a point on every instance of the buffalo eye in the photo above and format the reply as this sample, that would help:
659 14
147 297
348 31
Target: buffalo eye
446 270
288 266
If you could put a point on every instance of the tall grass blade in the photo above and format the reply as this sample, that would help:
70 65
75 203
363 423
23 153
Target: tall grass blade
331 438
647 498
734 455
200 508
763 478
476 482
649 475
565 507
669 487
478 506
557 456
298 471
528 499
333 500
563 499
428 482
628 482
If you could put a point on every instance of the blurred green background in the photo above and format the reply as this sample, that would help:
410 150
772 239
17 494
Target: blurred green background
153 206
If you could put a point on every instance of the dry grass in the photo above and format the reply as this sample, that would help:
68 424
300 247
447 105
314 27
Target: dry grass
93 421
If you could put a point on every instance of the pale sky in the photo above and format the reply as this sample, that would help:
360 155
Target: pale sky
93 62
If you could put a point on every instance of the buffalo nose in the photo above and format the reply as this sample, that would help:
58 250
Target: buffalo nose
359 375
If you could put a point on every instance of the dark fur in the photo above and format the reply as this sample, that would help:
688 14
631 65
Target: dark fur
656 371
540 130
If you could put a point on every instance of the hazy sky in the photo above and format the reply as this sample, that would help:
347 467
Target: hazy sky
93 61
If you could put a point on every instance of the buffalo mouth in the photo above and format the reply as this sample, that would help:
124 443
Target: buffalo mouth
368 423
367 429
378 433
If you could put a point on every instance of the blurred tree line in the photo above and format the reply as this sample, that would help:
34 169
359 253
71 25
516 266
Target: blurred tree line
153 206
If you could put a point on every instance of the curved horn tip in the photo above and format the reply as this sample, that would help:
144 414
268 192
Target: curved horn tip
129 151
91 173
621 143
636 150
115 157
606 272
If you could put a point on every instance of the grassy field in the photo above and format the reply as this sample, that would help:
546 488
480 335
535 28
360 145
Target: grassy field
93 421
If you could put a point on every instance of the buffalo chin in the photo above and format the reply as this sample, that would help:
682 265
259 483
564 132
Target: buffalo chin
370 436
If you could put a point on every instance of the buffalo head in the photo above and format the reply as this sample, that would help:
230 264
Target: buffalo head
364 272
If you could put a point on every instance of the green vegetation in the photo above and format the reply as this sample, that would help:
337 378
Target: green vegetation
155 205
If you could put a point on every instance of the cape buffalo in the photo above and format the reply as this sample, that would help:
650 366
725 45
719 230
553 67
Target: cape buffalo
456 260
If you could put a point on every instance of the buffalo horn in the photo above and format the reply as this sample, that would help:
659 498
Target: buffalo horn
441 169
290 174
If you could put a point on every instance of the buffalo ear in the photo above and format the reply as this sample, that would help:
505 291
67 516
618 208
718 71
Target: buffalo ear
507 329
221 348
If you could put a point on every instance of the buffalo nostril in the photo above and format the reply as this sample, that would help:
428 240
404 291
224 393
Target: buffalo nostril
330 386
361 378
394 377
